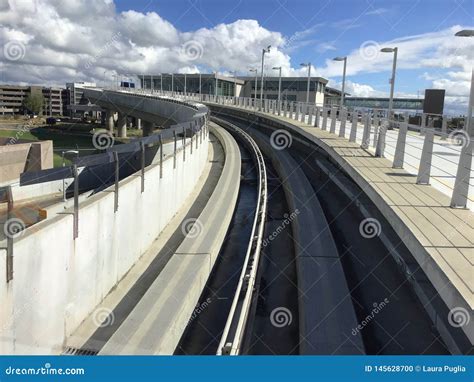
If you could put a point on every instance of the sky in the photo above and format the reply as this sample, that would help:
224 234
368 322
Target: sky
57 41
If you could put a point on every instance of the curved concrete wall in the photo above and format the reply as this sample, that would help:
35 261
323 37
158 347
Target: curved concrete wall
58 281
153 108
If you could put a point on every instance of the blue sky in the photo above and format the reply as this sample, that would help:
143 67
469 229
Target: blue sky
333 27
52 42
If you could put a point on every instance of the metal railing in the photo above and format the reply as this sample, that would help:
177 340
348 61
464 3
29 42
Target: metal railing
378 131
235 328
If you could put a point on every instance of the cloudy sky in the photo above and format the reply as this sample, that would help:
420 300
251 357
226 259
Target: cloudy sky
56 41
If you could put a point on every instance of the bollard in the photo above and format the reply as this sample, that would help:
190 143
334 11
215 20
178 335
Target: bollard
425 161
342 129
353 133
310 114
366 133
380 148
325 118
297 111
316 117
332 129
444 128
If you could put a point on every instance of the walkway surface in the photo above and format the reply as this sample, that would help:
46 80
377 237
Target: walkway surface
445 234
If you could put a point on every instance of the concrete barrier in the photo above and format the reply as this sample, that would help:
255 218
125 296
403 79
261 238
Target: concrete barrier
58 281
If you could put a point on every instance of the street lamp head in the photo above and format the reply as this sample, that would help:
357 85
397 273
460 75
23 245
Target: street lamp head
267 49
305 64
388 50
339 58
276 67
465 33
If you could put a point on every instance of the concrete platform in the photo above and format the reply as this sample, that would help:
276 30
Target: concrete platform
440 238
158 320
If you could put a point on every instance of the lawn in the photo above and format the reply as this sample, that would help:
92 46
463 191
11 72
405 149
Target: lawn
61 141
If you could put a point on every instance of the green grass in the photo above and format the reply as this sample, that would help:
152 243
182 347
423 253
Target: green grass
61 142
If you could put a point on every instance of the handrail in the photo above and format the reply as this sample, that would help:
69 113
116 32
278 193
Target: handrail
234 330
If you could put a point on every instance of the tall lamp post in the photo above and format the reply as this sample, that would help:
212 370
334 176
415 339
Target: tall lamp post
266 50
392 79
309 79
279 86
343 77
468 127
256 84
461 184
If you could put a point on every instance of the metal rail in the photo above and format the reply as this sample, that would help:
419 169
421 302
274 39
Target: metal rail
234 330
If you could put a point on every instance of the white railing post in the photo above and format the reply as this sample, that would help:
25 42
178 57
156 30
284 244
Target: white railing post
310 114
316 117
463 173
399 156
355 120
382 132
332 129
325 118
426 155
444 127
342 129
366 135
297 111
423 124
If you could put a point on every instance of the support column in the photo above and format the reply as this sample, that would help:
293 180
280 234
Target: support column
110 121
139 123
122 125
147 128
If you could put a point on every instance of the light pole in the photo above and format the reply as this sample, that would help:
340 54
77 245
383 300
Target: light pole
185 86
279 86
161 83
215 87
309 79
468 127
266 50
172 84
392 80
200 87
343 77
256 84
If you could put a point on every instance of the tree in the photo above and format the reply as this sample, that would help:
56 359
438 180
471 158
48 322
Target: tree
34 103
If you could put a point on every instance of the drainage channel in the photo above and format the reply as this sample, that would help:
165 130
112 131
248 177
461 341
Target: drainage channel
207 322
